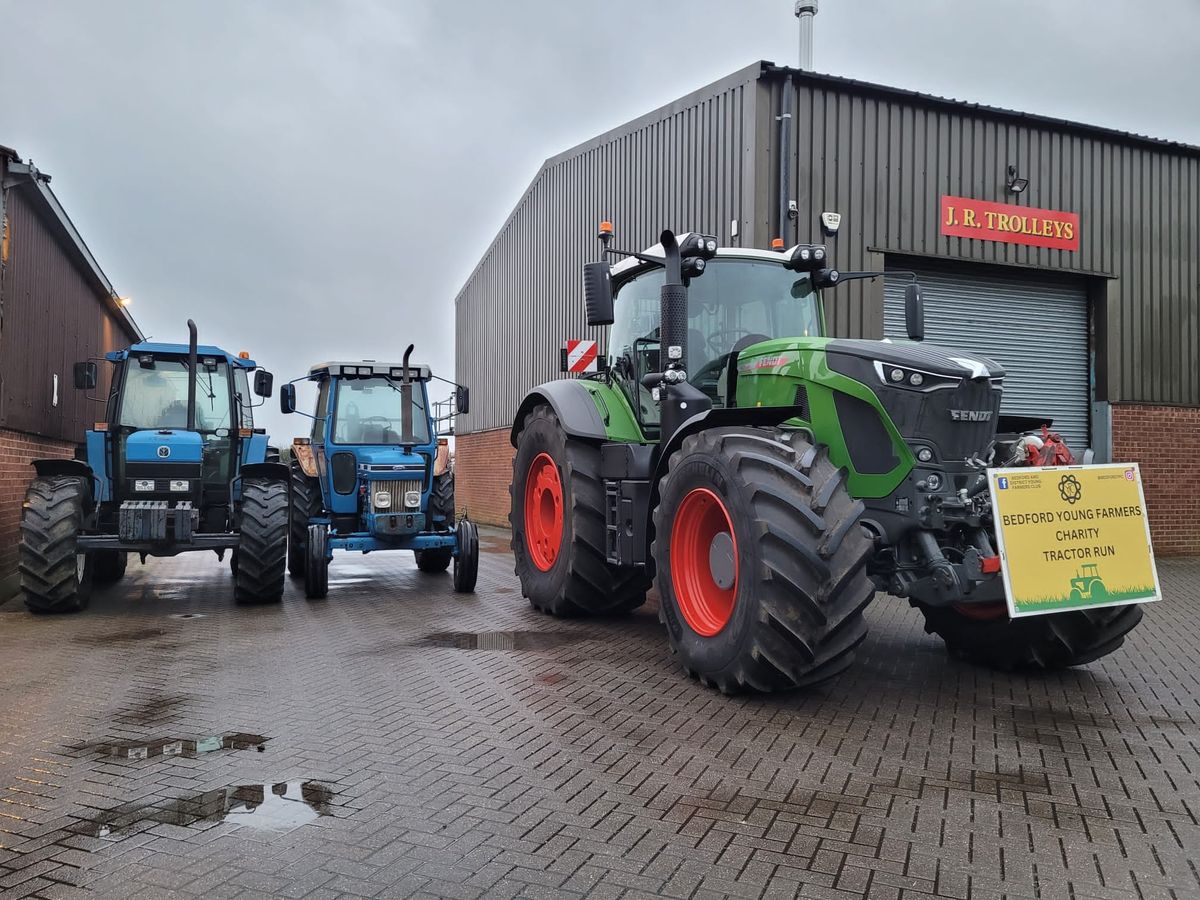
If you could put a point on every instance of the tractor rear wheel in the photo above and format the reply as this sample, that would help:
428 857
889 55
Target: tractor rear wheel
1054 641
262 550
305 503
558 525
110 566
55 577
435 560
441 502
761 561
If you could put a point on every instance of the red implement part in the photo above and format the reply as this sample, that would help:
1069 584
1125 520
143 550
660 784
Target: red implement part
1053 452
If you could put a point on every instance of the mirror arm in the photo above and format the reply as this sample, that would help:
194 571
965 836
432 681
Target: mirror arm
855 276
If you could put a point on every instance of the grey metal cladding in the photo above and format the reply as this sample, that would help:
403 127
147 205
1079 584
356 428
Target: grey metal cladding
884 158
686 166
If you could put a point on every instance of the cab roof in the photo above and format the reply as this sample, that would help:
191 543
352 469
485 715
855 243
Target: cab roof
366 368
180 350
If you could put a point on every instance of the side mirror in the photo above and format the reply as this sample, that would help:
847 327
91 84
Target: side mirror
287 398
462 399
264 383
597 293
914 312
86 376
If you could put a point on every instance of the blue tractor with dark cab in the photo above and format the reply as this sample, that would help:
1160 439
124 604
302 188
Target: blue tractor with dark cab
374 475
176 465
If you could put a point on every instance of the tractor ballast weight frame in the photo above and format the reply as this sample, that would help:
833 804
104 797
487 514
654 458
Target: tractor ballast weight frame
805 489
359 485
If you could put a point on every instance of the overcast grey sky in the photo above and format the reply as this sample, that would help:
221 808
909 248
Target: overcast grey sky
311 179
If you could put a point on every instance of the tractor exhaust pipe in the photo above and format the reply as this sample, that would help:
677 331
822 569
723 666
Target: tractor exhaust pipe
192 363
406 423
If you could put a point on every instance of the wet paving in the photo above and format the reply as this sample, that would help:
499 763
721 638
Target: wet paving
398 739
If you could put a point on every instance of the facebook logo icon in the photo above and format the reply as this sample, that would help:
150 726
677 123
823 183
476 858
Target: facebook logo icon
1002 482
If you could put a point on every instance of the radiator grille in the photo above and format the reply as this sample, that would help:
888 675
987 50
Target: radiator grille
396 490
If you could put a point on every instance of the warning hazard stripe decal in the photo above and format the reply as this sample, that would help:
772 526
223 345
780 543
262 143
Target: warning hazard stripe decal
581 356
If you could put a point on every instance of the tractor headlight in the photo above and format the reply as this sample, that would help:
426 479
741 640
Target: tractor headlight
143 484
412 499
181 486
890 373
383 500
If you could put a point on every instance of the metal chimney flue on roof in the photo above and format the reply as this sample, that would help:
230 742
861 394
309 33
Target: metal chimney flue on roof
805 11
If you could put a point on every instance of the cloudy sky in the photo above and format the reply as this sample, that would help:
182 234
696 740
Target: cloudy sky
312 179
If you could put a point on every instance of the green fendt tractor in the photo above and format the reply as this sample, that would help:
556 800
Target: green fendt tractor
772 479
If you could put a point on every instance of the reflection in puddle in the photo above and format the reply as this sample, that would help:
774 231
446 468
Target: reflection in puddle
266 807
501 640
189 747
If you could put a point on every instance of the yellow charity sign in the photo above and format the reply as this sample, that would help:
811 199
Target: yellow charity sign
1073 537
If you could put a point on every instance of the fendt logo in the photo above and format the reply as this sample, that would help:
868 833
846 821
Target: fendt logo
971 415
164 451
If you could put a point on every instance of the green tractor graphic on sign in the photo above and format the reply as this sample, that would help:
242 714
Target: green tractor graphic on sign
1088 587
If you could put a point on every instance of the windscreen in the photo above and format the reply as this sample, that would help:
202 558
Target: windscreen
368 411
156 396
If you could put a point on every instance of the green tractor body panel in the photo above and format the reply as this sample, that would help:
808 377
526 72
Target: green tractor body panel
620 424
775 373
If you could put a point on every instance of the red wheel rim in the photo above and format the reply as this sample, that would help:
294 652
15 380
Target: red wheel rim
700 529
543 512
982 612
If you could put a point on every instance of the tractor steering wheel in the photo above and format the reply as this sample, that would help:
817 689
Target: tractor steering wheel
717 340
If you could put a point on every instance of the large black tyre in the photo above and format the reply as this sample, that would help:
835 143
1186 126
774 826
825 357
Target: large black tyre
782 608
441 502
110 566
1055 641
436 560
570 575
305 503
262 550
54 577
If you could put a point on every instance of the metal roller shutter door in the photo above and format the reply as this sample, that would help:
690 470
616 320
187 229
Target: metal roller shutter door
1036 329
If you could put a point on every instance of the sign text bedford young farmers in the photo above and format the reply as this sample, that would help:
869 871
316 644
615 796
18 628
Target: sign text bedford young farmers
1072 537
985 221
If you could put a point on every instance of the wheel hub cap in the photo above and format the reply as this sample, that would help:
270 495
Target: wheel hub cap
543 512
704 562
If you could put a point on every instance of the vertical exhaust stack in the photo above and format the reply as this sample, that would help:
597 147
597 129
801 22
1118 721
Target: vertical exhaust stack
406 418
805 11
192 363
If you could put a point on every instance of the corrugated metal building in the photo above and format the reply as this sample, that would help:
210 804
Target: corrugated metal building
56 308
1069 252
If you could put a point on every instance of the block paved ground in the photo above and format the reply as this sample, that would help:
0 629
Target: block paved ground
418 743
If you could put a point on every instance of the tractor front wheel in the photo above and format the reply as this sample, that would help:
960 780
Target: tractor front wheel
110 566
55 577
558 525
262 550
466 563
435 560
1053 641
761 561
305 503
316 562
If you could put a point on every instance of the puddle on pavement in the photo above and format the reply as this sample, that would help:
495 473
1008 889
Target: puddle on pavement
265 807
119 637
501 640
188 747
495 545
186 616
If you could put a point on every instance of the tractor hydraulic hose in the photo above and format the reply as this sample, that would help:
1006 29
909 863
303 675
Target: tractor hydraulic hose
192 363
406 422
941 568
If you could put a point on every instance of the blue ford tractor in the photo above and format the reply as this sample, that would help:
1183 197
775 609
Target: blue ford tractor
176 465
374 475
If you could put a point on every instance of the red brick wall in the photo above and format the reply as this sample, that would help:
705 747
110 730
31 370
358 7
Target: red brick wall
482 472
16 451
1165 441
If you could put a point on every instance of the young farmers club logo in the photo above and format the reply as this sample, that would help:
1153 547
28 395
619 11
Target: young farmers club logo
1070 489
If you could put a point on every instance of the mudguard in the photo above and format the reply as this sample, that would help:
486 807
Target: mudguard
277 471
749 417
571 402
48 468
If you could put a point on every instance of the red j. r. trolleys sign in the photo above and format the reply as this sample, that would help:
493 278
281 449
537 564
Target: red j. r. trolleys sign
986 221
579 356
